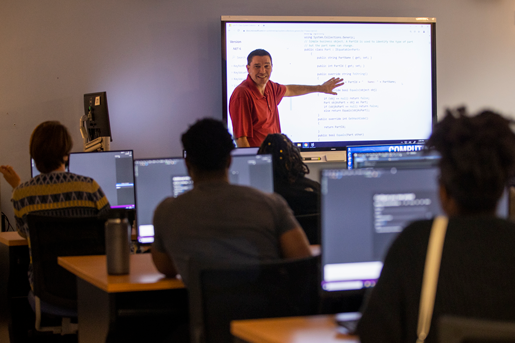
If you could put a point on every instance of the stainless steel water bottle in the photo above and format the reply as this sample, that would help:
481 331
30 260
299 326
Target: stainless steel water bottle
117 242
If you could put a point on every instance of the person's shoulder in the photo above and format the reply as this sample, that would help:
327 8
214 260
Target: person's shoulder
242 90
417 228
53 178
60 177
26 184
274 86
310 185
414 236
164 205
77 177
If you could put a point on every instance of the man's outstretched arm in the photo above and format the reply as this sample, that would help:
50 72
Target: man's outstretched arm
327 88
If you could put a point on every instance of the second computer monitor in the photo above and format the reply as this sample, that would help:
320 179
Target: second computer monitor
386 156
159 178
112 170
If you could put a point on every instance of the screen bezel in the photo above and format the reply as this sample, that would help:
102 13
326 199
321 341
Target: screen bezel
339 145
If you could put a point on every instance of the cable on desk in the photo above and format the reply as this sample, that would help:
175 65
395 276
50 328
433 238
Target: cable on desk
9 226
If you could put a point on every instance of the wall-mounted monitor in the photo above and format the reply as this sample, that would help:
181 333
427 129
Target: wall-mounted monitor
97 112
388 66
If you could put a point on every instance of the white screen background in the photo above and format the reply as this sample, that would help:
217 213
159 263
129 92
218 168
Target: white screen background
387 70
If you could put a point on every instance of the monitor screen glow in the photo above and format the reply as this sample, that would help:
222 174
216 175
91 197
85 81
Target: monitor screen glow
112 170
157 179
363 211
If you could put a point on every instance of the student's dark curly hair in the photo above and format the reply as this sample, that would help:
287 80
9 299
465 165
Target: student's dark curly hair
286 158
477 158
208 145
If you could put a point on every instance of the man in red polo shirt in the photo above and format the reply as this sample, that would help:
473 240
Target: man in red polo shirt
253 104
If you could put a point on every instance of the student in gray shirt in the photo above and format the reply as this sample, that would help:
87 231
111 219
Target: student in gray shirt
218 222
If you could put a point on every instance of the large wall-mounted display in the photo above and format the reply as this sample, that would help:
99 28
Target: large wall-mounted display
388 66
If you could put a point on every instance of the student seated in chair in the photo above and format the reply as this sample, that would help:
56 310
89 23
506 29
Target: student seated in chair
477 268
218 222
301 193
54 192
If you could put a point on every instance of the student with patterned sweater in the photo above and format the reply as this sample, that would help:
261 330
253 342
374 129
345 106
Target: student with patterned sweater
54 192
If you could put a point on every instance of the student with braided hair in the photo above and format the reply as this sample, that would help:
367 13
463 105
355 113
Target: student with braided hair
300 193
477 270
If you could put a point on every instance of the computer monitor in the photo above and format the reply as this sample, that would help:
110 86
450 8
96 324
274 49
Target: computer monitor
245 151
362 149
33 169
159 178
253 171
112 170
387 156
362 211
97 112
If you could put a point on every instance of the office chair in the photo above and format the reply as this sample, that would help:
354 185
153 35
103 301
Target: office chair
55 289
219 295
453 329
310 223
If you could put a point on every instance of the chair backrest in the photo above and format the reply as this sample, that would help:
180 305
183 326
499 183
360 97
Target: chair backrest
276 289
310 223
453 329
51 237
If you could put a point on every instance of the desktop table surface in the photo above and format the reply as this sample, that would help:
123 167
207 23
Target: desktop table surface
320 329
12 239
143 274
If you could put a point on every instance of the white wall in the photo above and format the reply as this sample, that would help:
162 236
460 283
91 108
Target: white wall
159 61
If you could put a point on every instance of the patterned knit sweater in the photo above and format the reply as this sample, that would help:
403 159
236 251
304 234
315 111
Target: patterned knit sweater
57 194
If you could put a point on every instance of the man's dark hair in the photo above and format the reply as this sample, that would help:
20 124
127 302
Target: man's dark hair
477 158
208 145
50 142
258 52
286 158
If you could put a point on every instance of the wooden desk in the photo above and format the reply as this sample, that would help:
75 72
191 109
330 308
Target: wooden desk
143 274
102 298
12 239
15 312
320 329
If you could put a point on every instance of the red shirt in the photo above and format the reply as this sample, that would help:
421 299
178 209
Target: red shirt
253 115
